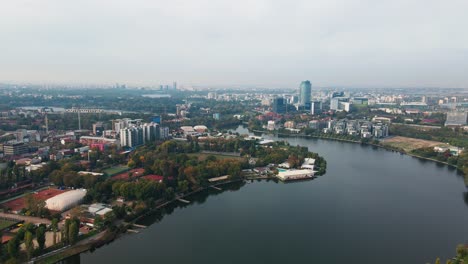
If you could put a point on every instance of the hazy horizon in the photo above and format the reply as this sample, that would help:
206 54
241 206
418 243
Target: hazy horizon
276 43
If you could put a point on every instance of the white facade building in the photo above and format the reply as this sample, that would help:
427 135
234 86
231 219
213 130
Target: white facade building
65 200
290 175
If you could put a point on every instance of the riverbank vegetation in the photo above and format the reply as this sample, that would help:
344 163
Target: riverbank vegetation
456 136
460 161
460 258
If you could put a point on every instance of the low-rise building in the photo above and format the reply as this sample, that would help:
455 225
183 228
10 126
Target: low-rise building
99 209
271 125
13 149
288 175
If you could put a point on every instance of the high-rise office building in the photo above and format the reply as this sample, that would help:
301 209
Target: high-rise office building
279 105
305 93
336 103
315 107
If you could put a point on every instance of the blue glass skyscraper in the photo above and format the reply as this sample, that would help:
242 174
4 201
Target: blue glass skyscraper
305 93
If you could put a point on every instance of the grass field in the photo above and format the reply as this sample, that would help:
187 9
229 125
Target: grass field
116 170
409 144
203 156
6 223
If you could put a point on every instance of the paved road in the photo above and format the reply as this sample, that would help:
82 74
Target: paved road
81 243
29 219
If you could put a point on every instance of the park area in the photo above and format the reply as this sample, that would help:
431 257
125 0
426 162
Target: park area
17 204
409 144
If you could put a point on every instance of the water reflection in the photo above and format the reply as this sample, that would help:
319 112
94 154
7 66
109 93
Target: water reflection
465 197
71 260
198 198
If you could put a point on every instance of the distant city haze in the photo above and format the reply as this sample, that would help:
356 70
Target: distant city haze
275 43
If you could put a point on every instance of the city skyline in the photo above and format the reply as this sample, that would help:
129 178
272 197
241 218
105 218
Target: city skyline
261 43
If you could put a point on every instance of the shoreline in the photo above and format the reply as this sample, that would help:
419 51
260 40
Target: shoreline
364 143
109 236
158 207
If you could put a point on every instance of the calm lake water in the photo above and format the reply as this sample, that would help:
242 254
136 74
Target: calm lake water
372 206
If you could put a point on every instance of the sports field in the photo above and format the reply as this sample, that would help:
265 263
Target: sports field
116 170
126 175
20 203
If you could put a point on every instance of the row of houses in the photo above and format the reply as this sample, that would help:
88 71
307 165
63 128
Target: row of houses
362 128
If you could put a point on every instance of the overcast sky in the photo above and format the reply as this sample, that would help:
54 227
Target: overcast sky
274 43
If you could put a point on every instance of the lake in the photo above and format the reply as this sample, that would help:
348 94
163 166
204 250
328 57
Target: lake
372 206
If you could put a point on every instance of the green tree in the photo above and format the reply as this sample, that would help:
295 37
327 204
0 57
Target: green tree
73 232
182 186
35 206
28 241
169 194
12 261
437 261
109 218
461 251
65 231
40 236
13 247
54 226
98 222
